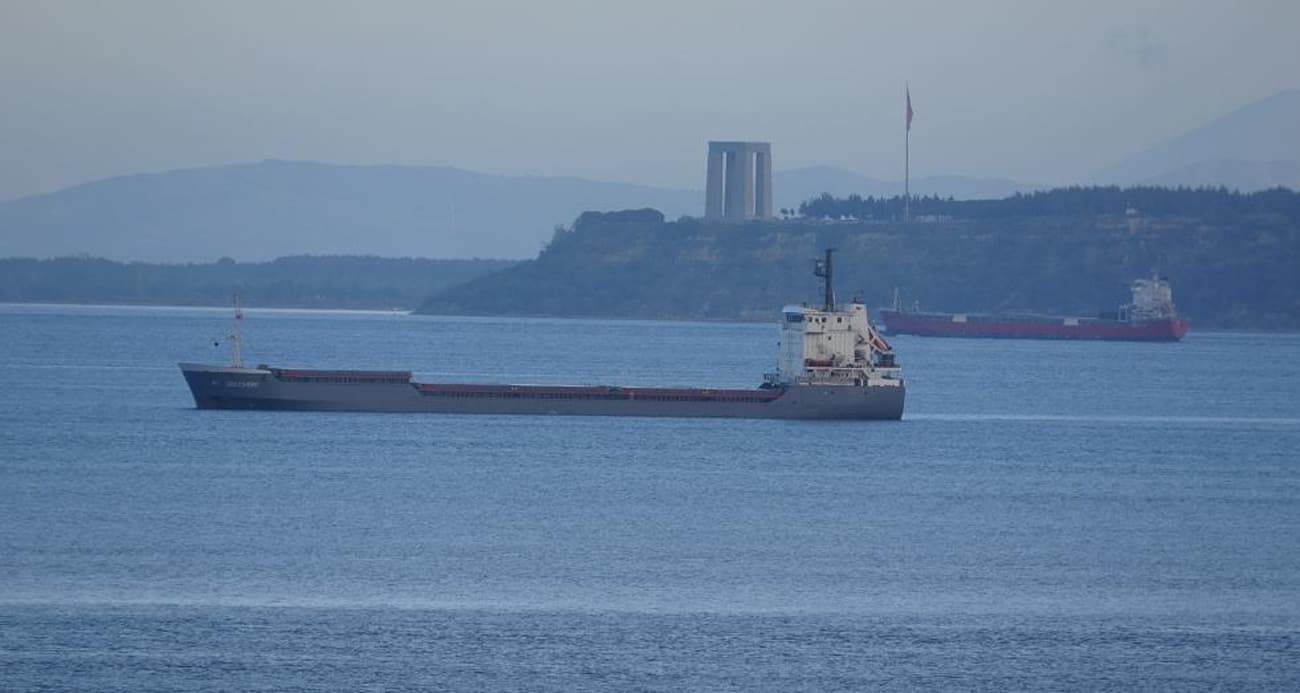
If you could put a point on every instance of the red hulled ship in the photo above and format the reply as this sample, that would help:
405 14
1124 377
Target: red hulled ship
1150 317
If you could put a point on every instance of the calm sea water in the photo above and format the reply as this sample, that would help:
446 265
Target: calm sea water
1048 515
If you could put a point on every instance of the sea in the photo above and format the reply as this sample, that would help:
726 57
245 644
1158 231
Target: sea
1046 516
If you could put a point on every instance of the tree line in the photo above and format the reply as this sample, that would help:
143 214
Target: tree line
1211 204
1234 272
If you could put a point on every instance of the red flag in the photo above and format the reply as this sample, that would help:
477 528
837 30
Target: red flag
909 108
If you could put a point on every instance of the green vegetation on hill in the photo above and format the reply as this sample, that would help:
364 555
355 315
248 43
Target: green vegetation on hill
1232 260
1206 204
301 281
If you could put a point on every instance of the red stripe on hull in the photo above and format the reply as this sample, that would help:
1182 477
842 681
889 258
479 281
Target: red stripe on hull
564 391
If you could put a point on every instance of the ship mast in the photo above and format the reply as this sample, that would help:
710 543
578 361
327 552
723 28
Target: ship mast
824 270
235 359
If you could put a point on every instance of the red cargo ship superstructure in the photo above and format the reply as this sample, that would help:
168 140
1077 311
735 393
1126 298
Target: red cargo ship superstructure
1150 317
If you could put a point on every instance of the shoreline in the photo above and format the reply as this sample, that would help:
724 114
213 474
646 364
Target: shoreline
416 314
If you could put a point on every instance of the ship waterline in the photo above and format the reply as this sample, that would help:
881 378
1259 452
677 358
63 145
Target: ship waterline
1032 327
1150 316
833 364
265 388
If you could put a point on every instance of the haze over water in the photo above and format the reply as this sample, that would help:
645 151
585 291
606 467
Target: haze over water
1047 515
1038 92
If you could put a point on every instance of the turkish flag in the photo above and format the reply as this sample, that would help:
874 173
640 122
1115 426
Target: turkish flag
909 108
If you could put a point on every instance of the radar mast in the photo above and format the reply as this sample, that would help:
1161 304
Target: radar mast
235 359
825 270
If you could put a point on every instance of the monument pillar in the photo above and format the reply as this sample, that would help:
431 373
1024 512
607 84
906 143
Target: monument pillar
740 184
763 184
739 181
713 190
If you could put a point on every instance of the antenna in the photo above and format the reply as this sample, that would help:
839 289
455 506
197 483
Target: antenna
235 360
824 269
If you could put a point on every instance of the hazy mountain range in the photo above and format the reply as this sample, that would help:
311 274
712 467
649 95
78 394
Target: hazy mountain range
1244 149
270 209
259 211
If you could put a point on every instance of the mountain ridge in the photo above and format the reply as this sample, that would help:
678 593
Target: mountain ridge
272 208
1263 131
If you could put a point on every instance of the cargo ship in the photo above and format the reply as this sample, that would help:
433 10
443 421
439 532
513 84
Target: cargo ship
1151 316
832 364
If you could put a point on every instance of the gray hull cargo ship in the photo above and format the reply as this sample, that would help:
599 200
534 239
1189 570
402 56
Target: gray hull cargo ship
833 365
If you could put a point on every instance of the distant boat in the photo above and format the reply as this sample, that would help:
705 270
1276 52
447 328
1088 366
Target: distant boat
833 365
1150 317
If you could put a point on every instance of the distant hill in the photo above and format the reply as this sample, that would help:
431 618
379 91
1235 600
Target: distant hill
1246 176
1231 259
287 282
270 209
1254 147
801 184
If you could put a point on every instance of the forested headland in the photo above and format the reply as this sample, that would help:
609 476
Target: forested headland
1210 205
302 281
1233 259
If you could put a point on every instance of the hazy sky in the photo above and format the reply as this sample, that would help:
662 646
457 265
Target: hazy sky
1033 90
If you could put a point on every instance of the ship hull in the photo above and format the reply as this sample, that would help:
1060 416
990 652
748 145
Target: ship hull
220 387
952 325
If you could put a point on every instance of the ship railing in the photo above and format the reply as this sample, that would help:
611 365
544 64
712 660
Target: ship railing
851 373
844 374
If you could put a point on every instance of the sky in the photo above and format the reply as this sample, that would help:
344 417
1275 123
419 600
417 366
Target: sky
1033 90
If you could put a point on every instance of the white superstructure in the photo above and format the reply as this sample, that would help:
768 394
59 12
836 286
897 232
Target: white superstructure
1153 299
833 347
